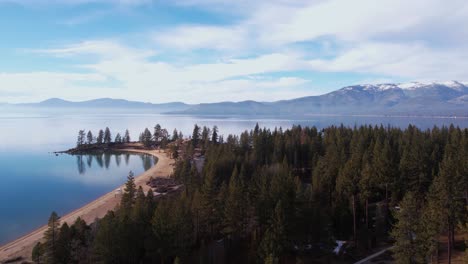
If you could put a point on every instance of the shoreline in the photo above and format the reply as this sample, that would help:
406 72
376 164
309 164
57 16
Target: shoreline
22 246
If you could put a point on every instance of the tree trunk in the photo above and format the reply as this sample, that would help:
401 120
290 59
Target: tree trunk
386 207
354 218
367 213
449 248
369 236
466 197
197 228
386 194
453 236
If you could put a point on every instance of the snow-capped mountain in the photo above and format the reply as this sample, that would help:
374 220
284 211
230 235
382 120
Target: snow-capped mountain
415 98
412 86
405 95
454 85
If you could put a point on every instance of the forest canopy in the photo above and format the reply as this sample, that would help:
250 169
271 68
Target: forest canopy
275 196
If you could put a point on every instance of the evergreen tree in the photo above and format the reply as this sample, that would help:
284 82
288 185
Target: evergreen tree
145 138
214 135
106 246
234 211
175 135
274 241
446 196
414 165
81 138
182 219
430 226
64 244
384 166
89 138
51 237
208 213
366 184
37 254
163 230
164 139
126 138
118 138
128 197
407 247
80 242
347 185
140 211
195 136
205 136
107 136
100 137
157 133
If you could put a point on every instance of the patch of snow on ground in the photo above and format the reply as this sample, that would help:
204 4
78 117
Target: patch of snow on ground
339 244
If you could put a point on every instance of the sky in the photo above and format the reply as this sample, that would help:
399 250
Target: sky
200 51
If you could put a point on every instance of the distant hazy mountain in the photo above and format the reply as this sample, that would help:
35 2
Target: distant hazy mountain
447 98
437 98
106 103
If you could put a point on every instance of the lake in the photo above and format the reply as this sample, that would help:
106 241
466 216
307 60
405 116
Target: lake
35 182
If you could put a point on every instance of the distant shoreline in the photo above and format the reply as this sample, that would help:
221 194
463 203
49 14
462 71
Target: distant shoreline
102 148
22 247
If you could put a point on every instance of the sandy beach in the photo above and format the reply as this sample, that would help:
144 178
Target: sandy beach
22 247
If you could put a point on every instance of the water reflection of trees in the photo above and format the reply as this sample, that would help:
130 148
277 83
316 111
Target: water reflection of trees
99 160
147 161
80 163
103 160
117 159
89 160
127 158
107 158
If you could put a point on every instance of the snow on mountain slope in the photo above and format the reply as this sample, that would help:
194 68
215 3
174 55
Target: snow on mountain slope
444 90
459 86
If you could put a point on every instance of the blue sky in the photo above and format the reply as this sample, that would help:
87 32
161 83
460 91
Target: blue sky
218 50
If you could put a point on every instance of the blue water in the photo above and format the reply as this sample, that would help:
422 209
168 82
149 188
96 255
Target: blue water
34 182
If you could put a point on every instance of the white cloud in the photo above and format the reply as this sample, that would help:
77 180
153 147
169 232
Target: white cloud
390 39
103 48
259 89
420 39
278 23
137 76
201 37
191 82
43 85
348 20
412 61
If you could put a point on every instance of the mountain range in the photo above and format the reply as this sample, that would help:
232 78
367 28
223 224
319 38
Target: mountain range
415 98
103 104
447 98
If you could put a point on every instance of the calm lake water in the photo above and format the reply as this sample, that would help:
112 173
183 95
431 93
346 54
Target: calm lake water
35 182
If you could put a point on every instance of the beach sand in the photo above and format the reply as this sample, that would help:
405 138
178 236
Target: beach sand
22 247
